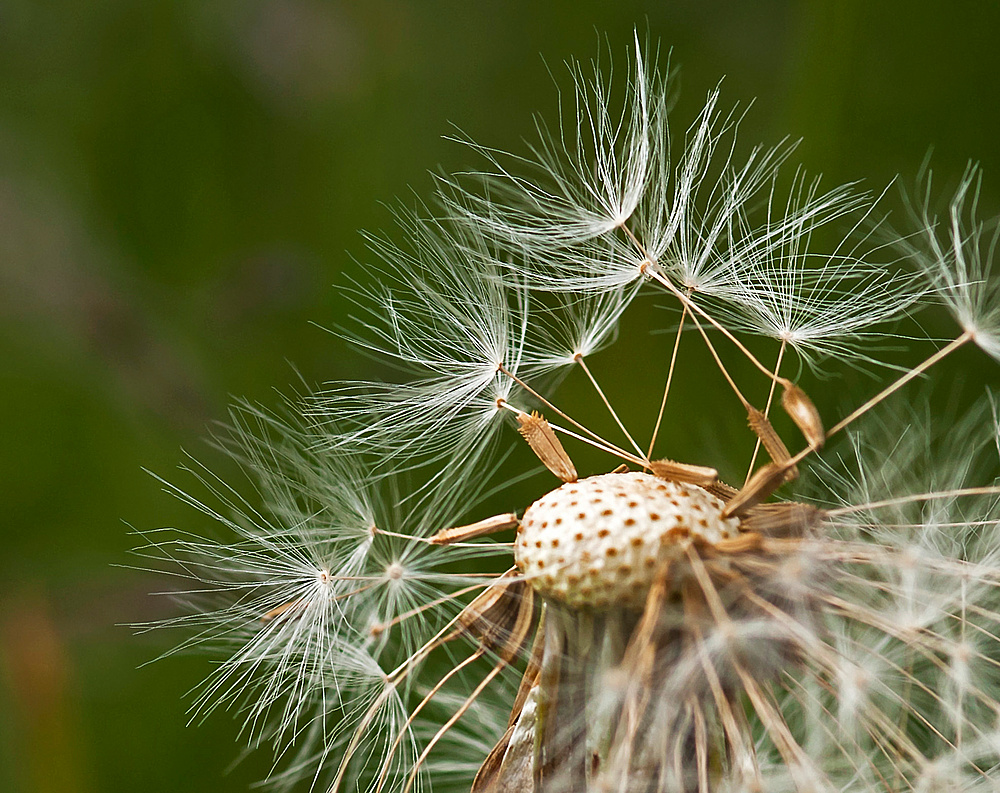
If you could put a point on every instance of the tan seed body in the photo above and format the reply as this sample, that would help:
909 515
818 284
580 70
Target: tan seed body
599 542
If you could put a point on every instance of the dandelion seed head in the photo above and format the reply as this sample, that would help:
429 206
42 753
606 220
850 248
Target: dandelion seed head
601 541
647 627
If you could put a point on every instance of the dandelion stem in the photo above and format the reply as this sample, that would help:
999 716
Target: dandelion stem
384 626
722 367
943 352
891 502
670 377
450 722
607 445
579 359
657 276
416 712
601 444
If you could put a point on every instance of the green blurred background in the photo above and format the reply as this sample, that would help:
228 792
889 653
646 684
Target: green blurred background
180 186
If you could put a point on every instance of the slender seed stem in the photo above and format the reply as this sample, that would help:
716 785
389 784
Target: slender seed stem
386 763
383 626
652 268
499 667
696 309
430 541
670 377
943 352
891 502
601 444
605 444
607 404
718 361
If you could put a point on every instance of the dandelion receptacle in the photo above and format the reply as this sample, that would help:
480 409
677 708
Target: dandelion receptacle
828 622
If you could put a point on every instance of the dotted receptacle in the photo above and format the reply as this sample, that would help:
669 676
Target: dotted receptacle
599 541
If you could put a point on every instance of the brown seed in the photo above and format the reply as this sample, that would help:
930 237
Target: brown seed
802 411
546 446
683 472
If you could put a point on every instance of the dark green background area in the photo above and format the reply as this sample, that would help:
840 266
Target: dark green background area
180 187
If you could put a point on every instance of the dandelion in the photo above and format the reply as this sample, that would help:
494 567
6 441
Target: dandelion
643 626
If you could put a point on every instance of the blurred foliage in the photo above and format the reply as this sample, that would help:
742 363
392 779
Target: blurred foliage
180 185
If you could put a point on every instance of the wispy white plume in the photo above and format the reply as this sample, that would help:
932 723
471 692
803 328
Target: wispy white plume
956 253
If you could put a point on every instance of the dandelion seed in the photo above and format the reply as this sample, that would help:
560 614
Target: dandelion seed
819 306
596 167
958 261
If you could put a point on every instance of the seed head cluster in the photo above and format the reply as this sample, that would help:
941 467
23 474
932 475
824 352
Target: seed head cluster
391 612
600 541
